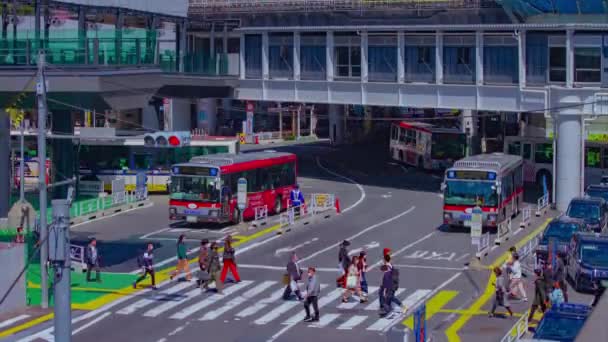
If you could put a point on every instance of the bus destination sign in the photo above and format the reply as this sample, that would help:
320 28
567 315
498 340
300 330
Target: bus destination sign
195 171
471 174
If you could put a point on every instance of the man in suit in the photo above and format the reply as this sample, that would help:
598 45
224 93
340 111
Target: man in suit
313 291
92 260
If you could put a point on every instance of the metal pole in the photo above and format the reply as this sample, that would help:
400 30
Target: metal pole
22 164
298 124
60 255
42 113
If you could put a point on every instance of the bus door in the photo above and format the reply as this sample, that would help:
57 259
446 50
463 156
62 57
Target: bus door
529 167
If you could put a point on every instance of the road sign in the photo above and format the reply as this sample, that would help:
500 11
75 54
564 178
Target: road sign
420 323
241 194
476 222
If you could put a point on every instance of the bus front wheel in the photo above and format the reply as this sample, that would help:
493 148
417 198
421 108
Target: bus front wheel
236 216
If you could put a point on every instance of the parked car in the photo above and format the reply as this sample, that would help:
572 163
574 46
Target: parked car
561 231
597 190
590 209
562 322
588 260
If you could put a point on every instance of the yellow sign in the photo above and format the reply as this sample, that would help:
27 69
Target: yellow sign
242 139
321 200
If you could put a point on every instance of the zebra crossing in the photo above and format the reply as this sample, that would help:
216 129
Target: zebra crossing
261 303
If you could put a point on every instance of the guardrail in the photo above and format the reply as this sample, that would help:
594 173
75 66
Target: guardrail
483 247
261 216
519 329
319 204
503 232
526 216
542 204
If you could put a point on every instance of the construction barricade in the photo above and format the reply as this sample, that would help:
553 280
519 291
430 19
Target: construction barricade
542 204
261 216
526 215
503 232
483 245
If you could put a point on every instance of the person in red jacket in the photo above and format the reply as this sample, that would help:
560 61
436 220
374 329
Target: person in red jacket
229 261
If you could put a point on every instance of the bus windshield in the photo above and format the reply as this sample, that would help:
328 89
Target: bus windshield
448 146
195 188
463 192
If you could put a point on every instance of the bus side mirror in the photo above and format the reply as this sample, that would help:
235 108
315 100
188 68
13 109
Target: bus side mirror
443 186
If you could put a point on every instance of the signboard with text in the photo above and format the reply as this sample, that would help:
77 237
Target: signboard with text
241 196
476 222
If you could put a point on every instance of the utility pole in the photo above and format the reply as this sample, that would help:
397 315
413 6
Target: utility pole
42 114
59 243
22 164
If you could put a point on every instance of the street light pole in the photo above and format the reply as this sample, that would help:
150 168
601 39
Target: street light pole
42 114
22 165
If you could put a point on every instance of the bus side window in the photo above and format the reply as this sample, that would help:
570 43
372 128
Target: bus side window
402 132
527 151
515 148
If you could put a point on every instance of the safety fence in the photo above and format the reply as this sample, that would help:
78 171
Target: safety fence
526 216
542 204
77 258
319 205
503 231
483 247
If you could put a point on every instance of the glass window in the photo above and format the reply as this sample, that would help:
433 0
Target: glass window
349 61
593 157
464 55
253 56
514 148
543 153
402 135
424 55
313 57
527 151
557 64
587 65
605 157
382 58
280 56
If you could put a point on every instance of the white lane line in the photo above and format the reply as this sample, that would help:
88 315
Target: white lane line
93 321
324 321
412 299
361 190
282 268
115 214
253 309
154 233
352 322
350 305
184 313
494 247
351 238
462 257
519 230
13 320
443 268
238 300
279 310
375 305
155 298
403 249
323 301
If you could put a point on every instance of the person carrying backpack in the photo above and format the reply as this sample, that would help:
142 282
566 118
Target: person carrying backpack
147 263
390 292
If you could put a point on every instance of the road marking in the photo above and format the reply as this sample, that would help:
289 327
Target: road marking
352 322
519 230
283 250
405 248
253 309
236 301
350 305
494 247
184 313
443 268
433 306
179 230
375 305
452 331
94 321
361 189
13 320
351 238
367 247
325 320
323 301
282 268
462 257
165 295
279 310
154 312
412 299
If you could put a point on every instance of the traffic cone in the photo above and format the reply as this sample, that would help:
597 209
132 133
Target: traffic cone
337 205
257 140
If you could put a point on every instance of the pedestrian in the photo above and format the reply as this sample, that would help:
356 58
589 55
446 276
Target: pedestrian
548 277
343 263
353 282
386 251
182 260
203 262
500 298
295 274
362 266
517 284
147 264
540 294
391 297
296 197
598 291
385 285
91 256
229 261
557 295
512 252
214 266
559 275
313 291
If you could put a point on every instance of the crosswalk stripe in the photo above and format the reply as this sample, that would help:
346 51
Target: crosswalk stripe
412 299
325 320
209 300
351 304
253 309
278 311
154 312
152 299
323 301
238 300
352 322
375 304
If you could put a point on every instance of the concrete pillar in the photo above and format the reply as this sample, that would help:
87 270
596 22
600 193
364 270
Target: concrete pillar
521 56
212 41
364 54
329 55
479 57
265 62
118 35
336 124
439 57
400 57
568 159
5 164
468 125
182 45
569 58
296 56
206 116
242 56
225 39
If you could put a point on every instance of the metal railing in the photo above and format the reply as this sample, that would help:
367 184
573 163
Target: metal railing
519 329
526 215
483 247
542 204
503 233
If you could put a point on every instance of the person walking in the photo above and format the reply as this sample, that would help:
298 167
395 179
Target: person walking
295 275
203 262
385 285
362 267
147 263
517 284
91 256
214 266
501 294
313 291
559 275
343 263
353 282
598 291
229 261
540 295
390 293
182 260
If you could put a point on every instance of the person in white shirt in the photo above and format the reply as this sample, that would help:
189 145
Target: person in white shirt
517 284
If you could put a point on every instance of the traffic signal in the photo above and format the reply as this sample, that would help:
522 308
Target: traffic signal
167 139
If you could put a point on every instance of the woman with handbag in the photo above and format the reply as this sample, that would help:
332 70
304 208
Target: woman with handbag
294 274
353 282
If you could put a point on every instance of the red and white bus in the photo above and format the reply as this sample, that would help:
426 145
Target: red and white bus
426 146
493 182
205 189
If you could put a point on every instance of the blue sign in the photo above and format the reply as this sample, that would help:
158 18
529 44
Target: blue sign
420 323
466 217
213 172
492 175
176 170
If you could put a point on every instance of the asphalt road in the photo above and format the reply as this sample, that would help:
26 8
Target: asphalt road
383 204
